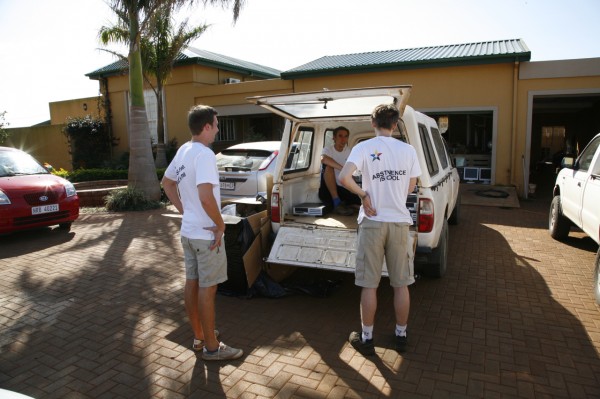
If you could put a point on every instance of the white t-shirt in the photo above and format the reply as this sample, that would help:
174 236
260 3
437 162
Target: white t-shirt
194 164
338 156
387 165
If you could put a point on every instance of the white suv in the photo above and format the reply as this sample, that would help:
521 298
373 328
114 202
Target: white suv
306 238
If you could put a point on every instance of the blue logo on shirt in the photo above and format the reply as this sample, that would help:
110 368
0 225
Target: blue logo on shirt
376 155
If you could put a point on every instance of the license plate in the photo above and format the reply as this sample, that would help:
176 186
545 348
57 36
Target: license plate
227 185
36 210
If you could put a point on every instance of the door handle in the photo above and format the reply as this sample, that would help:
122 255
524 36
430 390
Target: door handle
578 184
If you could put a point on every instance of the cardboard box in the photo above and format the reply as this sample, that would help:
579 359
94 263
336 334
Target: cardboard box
241 275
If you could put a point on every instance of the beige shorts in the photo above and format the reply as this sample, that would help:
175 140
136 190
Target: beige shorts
378 241
202 264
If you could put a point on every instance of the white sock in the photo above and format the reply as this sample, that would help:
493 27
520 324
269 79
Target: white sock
367 332
400 330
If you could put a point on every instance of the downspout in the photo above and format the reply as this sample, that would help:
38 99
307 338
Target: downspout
513 137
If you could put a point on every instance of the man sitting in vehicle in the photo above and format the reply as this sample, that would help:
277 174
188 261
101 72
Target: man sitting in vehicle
331 192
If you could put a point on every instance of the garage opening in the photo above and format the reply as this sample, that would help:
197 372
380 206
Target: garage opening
560 125
469 135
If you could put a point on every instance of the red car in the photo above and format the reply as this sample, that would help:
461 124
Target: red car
31 197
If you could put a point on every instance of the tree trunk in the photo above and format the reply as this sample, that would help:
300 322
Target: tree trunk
142 172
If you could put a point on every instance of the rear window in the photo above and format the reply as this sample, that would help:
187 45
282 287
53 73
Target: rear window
241 160
440 147
429 152
301 152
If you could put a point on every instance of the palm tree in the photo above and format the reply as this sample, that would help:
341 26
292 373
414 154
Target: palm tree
135 15
160 48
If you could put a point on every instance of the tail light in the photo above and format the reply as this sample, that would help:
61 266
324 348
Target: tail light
425 215
275 208
265 164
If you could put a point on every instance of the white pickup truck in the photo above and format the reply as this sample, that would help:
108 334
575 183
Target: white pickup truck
577 200
306 237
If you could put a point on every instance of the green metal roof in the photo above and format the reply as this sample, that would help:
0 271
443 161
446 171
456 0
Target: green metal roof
194 56
491 52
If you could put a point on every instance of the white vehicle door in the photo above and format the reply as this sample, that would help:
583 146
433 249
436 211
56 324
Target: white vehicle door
572 192
590 205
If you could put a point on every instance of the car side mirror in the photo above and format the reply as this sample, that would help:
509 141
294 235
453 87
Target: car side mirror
567 162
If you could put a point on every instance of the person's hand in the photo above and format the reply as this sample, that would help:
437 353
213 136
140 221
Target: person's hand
367 206
218 234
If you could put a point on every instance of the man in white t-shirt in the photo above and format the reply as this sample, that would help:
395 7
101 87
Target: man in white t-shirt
390 169
331 192
191 181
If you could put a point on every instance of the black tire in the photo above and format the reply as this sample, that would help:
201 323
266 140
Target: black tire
453 219
597 278
65 226
438 260
558 224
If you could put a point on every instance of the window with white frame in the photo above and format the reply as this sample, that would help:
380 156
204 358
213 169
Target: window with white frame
152 113
226 129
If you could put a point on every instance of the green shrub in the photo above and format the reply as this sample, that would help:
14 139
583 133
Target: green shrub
61 173
80 175
129 199
89 141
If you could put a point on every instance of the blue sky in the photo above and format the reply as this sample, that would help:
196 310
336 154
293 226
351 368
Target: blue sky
47 47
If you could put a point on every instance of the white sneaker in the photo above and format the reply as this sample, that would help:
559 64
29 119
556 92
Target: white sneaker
223 353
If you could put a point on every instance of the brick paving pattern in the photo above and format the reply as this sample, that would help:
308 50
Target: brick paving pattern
98 313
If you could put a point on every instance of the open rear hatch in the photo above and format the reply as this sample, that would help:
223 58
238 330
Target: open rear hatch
316 246
339 104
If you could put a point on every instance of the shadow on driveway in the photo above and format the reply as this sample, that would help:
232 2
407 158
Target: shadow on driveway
101 314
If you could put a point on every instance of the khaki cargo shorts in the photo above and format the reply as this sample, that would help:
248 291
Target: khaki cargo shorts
202 264
381 240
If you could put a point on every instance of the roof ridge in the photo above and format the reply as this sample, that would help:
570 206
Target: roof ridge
429 47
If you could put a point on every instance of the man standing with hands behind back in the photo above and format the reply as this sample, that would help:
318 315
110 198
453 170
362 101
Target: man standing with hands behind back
390 169
191 182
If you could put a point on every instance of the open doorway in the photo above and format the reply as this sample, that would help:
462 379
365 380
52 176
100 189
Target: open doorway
470 138
561 124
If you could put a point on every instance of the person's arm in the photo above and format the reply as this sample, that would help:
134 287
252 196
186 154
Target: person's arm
212 209
328 161
170 187
412 184
349 183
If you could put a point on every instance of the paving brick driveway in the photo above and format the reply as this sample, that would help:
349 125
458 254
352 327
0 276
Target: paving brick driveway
98 313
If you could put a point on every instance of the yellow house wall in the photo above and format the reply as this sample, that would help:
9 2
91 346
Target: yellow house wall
180 95
437 89
461 87
44 143
79 108
180 91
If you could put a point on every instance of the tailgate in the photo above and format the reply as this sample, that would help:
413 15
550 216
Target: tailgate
316 248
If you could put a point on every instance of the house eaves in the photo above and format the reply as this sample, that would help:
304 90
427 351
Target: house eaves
194 56
492 52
